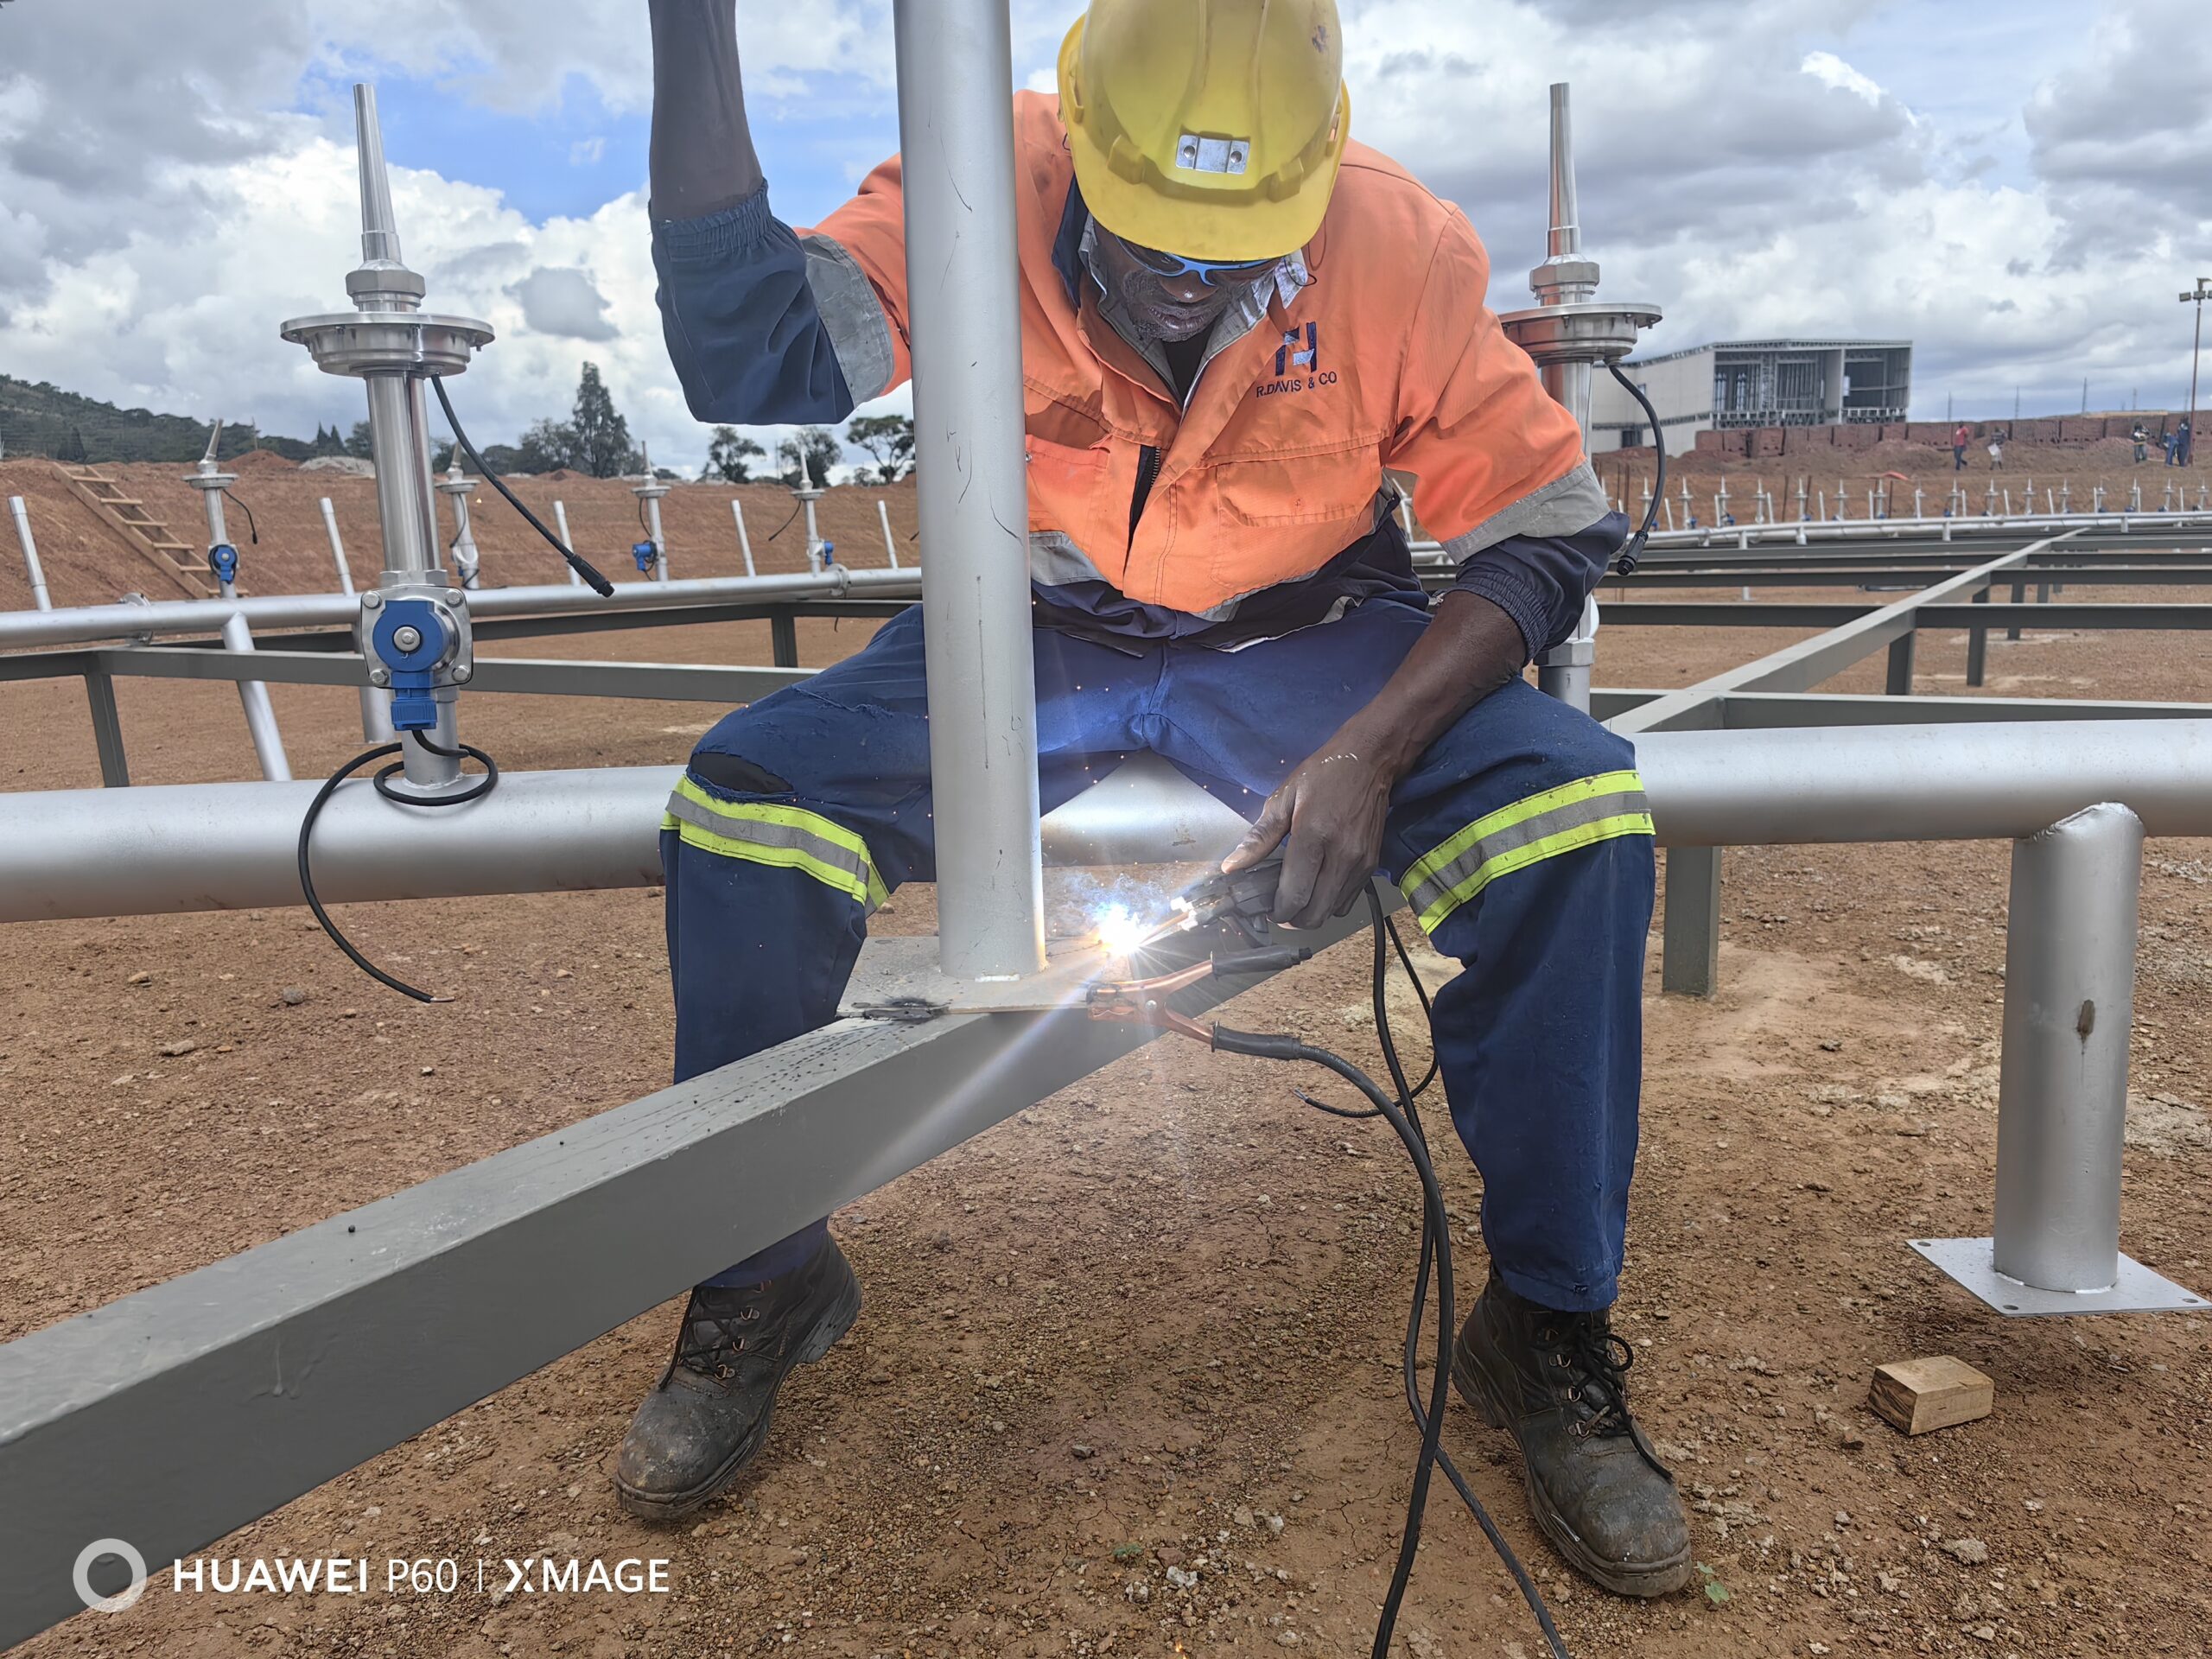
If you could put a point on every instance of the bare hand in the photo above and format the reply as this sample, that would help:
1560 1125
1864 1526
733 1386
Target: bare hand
1332 809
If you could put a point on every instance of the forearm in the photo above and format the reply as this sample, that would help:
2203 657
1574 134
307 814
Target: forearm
1470 649
702 156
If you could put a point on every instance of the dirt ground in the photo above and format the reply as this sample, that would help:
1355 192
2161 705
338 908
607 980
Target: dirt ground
1152 1324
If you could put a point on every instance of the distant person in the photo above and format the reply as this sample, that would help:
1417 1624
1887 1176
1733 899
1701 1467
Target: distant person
2169 442
1996 452
2185 445
1959 437
2142 440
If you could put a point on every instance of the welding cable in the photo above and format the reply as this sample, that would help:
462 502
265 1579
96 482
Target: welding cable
583 568
1631 556
483 786
1436 1249
1289 1048
1434 1256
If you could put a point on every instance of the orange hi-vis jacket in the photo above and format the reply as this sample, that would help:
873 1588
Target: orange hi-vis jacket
1384 359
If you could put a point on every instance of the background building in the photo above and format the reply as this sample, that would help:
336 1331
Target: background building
1741 383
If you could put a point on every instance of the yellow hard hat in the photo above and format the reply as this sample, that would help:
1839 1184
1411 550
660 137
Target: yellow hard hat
1211 128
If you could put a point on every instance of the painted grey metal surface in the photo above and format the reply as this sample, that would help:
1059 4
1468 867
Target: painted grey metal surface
72 853
260 713
82 624
1689 939
540 676
1805 665
2069 1007
2135 1288
1922 783
40 598
174 1415
955 133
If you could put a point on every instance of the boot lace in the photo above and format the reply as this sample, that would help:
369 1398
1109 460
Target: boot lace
1587 1363
716 1327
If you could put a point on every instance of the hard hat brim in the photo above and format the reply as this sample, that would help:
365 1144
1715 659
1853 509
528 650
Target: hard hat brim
1230 222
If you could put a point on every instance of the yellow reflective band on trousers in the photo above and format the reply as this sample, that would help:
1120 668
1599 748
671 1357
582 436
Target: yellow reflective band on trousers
788 837
1580 814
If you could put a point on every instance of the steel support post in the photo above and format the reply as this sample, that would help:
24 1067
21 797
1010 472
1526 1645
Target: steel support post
260 713
1903 651
744 541
1978 644
1689 945
956 133
2019 597
40 597
783 639
2062 1096
107 728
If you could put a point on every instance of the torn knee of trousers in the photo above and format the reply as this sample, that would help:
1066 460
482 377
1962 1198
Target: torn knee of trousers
737 775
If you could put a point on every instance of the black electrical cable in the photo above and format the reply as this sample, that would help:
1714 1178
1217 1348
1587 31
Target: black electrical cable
1437 1245
1289 1048
483 786
1631 556
1435 1258
583 568
787 522
252 530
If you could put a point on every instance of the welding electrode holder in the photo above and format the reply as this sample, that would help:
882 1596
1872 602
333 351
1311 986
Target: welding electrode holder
1243 900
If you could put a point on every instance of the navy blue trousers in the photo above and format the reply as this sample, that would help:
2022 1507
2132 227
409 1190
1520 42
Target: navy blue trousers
1520 839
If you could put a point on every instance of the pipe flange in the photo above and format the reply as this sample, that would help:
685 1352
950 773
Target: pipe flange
1592 331
382 342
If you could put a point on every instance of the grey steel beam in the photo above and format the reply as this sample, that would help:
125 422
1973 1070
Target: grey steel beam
2056 617
1731 613
1903 650
783 635
547 676
2127 575
107 729
1765 710
1802 667
1689 938
173 1417
1977 640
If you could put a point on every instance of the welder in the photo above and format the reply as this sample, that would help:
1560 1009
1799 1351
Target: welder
1237 327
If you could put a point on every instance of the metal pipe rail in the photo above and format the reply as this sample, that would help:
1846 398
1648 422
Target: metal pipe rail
81 624
174 848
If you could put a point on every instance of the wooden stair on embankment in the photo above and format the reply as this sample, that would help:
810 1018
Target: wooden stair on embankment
142 532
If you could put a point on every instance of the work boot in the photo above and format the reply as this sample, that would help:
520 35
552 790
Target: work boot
708 1414
1558 1383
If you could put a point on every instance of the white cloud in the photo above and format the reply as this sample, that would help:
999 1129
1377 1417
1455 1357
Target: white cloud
1832 70
1743 166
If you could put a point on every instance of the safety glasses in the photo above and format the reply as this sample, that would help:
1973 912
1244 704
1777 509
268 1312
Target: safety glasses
1212 273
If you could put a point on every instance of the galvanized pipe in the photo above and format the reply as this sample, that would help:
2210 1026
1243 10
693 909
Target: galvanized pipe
955 133
77 624
40 597
561 523
260 713
337 547
744 541
2062 1096
81 853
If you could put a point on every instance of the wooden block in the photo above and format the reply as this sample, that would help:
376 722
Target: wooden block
1918 1395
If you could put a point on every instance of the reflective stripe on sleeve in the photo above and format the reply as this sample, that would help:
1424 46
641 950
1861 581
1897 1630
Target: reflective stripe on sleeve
788 837
1580 814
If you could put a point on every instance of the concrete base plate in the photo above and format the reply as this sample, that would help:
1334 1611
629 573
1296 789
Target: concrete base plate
2137 1290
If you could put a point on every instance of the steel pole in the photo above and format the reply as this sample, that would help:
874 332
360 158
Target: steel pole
561 523
260 713
890 542
22 516
337 547
2062 1102
956 134
744 541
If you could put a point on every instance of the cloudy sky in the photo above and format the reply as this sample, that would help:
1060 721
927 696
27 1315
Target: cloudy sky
2020 189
